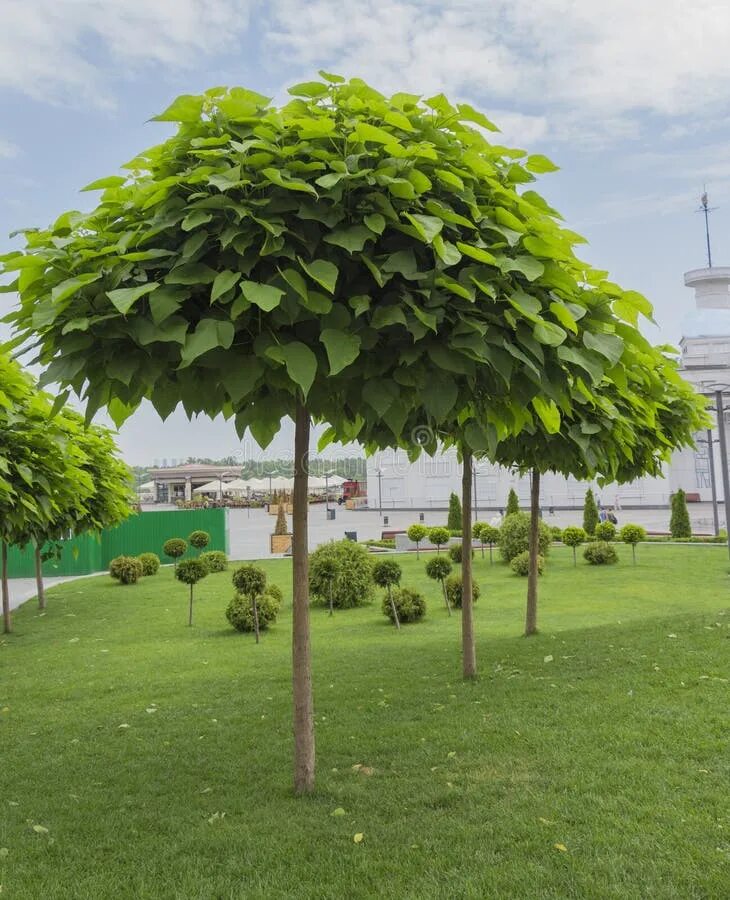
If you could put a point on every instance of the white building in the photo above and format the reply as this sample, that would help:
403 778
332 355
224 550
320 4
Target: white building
394 483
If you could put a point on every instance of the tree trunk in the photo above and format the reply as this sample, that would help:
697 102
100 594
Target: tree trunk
482 543
301 647
467 603
575 557
332 605
7 616
446 596
396 620
190 612
633 551
491 558
40 589
534 546
255 617
418 550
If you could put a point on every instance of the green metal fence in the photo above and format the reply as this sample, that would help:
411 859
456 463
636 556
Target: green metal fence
146 532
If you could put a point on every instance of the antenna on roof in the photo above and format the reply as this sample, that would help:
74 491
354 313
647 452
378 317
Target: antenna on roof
704 208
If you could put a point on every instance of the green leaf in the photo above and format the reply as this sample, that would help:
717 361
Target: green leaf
124 298
467 113
224 281
300 362
308 89
540 164
564 316
375 222
165 301
427 226
609 345
67 288
185 108
195 218
208 334
439 397
586 361
548 412
342 348
365 132
275 176
352 239
446 251
191 273
265 296
240 379
387 315
359 304
476 253
449 178
530 267
549 334
323 272
101 184
332 78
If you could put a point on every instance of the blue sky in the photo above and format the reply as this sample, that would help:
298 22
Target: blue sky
630 99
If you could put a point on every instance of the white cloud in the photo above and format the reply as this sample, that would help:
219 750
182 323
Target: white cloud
8 150
587 67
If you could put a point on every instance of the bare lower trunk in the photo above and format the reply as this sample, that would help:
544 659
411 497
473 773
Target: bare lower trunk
482 551
491 558
534 546
633 551
190 611
446 597
7 616
332 602
392 606
467 603
255 617
301 648
40 588
575 557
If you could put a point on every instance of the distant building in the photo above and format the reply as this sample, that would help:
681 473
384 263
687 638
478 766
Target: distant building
178 482
394 483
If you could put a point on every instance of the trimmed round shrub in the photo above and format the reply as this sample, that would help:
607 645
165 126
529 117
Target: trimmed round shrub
600 553
352 584
150 563
275 592
439 536
521 564
438 568
514 536
417 533
573 536
453 590
605 531
249 580
632 534
409 604
240 611
557 533
190 571
215 560
175 548
199 540
386 572
455 553
485 533
126 569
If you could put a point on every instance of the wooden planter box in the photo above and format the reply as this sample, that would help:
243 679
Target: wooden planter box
274 509
280 543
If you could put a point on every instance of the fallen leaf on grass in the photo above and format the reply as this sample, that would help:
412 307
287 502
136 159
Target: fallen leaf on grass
74 640
358 838
548 658
366 770
216 817
357 767
546 821
451 754
151 709
4 852
124 725
338 812
561 847
40 829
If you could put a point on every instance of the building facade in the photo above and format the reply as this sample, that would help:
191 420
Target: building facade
394 483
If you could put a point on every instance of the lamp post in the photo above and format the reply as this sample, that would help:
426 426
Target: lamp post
221 476
327 476
720 409
710 441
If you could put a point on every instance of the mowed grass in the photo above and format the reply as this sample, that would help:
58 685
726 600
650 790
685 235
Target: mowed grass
589 761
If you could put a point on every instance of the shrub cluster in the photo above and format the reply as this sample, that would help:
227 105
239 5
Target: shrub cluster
126 569
439 536
454 590
191 571
352 584
150 563
600 553
605 531
199 540
215 560
410 605
240 610
521 564
175 548
556 532
514 536
455 553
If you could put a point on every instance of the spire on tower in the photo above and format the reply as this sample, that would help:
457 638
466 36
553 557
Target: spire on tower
706 210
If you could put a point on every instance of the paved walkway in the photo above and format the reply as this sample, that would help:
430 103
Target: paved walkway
22 589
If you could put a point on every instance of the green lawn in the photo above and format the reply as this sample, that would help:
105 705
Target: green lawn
128 736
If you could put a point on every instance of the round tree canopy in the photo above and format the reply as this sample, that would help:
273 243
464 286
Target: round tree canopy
377 257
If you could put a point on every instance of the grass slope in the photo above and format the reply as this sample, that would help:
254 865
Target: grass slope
606 735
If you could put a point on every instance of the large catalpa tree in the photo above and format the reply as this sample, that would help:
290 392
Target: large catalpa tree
357 259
